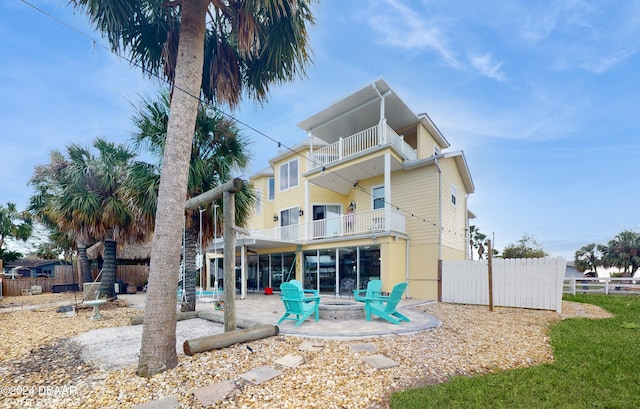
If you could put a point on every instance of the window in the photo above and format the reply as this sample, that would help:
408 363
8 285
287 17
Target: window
271 188
258 201
289 174
289 220
378 197
453 194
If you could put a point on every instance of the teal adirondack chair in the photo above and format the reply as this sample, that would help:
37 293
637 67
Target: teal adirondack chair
385 307
303 292
374 288
297 304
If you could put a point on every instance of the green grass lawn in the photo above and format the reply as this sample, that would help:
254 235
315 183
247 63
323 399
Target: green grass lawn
597 365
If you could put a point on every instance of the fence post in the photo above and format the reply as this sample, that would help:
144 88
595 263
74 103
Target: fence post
490 272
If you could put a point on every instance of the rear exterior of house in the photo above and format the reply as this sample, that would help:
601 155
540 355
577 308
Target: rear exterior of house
372 193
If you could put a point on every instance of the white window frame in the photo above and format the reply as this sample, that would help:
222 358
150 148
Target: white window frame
454 194
271 189
258 201
286 183
373 197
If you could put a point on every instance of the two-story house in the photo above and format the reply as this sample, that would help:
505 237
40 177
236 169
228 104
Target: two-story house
371 193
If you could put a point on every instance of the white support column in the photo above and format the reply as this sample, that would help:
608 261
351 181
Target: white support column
387 191
243 272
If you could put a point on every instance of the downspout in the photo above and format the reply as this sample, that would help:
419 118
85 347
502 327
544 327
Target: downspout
439 264
406 257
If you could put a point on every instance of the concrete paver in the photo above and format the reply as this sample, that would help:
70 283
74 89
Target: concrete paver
261 375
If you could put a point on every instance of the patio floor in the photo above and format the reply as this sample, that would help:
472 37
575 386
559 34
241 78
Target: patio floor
267 309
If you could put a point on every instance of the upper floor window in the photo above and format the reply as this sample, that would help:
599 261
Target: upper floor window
258 201
378 197
271 188
453 194
289 174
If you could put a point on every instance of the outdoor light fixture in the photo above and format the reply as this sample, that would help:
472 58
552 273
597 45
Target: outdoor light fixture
352 206
275 218
300 213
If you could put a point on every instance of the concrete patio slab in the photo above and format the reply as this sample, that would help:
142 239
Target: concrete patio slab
214 393
261 375
380 361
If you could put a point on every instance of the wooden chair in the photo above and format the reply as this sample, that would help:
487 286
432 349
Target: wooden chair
297 304
374 288
304 292
385 307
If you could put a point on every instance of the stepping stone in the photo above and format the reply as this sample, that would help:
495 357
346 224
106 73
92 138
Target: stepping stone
363 348
215 392
166 403
292 361
260 375
311 346
380 361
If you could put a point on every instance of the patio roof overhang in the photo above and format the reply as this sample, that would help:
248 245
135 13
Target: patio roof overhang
361 110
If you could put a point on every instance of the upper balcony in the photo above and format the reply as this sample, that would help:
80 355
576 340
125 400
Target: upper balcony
376 137
336 228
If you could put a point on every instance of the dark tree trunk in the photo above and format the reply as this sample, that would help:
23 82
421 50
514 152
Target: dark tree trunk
108 269
85 266
190 269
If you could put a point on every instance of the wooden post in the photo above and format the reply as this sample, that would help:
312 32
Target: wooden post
490 265
229 261
209 342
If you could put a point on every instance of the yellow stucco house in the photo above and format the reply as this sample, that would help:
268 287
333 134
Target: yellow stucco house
373 192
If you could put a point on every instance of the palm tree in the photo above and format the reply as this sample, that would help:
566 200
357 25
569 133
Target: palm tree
589 257
219 49
218 151
623 252
14 224
81 195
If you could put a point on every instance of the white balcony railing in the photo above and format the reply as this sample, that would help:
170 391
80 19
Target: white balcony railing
360 142
341 226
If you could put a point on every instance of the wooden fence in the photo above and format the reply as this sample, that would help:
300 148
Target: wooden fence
136 275
523 283
602 285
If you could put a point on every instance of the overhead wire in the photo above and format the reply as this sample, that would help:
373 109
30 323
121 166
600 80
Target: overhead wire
354 183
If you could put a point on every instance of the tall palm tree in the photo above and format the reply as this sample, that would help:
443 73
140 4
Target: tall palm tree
81 195
218 151
238 47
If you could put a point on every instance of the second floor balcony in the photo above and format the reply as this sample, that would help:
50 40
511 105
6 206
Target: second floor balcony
344 226
368 140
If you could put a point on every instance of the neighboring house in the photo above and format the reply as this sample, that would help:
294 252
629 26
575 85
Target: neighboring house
32 268
372 193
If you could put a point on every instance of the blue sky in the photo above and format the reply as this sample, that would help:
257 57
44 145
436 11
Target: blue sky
540 96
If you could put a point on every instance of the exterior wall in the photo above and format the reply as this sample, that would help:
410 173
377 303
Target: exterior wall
263 219
423 271
426 143
454 217
363 198
393 262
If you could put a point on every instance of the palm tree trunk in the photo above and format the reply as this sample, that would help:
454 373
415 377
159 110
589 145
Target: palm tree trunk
85 266
158 345
109 268
190 271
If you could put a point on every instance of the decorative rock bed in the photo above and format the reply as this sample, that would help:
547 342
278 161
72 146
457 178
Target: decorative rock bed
341 310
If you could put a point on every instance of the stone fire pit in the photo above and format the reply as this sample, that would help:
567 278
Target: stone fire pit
341 310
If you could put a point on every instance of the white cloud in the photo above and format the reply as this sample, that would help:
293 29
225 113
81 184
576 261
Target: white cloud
487 67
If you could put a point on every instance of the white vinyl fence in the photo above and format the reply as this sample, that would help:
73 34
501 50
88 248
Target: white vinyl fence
523 283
